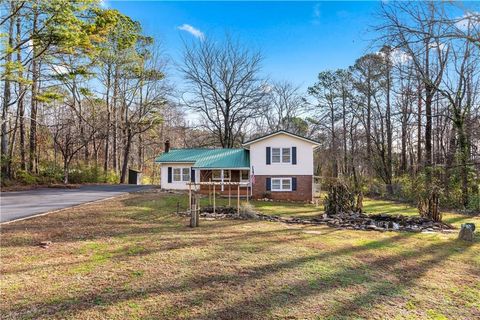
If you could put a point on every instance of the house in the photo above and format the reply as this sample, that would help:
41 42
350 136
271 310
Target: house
278 165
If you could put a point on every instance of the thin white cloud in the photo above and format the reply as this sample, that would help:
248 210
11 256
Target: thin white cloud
316 10
468 20
60 69
192 30
316 14
400 57
397 56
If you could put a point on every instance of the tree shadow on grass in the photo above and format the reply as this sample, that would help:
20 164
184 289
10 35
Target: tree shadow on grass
172 239
266 300
405 267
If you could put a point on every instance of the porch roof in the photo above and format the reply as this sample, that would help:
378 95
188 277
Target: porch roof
208 158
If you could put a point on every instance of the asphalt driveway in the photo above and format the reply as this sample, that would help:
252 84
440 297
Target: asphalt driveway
21 204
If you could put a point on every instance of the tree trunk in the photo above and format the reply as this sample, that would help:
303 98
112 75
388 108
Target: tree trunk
403 164
344 119
6 101
428 130
333 145
109 120
450 158
115 121
126 155
33 112
20 102
369 121
65 170
388 117
419 129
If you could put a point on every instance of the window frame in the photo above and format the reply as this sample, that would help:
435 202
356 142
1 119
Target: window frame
289 155
177 175
180 174
248 175
280 155
187 175
280 180
220 177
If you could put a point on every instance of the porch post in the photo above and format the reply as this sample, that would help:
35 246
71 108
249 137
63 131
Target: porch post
221 175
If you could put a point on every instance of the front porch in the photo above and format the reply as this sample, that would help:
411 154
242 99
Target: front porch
223 177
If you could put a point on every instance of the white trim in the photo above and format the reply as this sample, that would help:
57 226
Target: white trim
281 132
175 162
239 168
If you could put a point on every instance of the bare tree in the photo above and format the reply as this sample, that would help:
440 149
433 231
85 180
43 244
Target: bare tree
224 86
416 28
284 105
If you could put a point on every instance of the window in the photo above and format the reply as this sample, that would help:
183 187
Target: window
181 174
217 175
244 175
281 155
281 184
186 174
286 155
275 155
177 176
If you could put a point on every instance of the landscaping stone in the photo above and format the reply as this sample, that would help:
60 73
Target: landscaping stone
467 232
45 244
344 220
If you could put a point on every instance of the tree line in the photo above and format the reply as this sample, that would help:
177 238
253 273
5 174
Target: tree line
85 96
81 84
401 121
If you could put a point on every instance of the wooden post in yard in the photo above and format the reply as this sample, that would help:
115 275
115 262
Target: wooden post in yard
193 213
209 192
214 198
190 196
229 195
197 211
238 199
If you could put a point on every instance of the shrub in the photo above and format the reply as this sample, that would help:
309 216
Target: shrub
92 174
25 177
339 199
266 195
474 203
111 177
50 174
247 211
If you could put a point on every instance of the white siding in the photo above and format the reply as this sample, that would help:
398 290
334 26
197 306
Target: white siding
304 164
175 185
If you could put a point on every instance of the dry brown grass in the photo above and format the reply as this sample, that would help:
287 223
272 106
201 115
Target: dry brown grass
131 258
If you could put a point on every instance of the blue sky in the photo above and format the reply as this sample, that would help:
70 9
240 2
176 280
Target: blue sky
297 39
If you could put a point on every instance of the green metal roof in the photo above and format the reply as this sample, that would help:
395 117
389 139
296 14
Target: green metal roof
208 158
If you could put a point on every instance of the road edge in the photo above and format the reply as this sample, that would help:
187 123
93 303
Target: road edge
62 209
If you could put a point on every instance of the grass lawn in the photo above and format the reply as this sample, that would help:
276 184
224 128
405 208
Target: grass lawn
130 257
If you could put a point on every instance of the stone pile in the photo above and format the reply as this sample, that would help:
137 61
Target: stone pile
345 220
359 221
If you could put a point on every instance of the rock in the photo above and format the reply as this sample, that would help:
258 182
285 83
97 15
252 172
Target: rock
467 232
45 244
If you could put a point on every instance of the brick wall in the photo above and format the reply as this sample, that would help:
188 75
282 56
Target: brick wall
303 192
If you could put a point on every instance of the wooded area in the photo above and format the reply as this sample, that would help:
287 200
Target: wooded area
85 95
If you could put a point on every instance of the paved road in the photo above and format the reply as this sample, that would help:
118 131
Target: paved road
21 204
